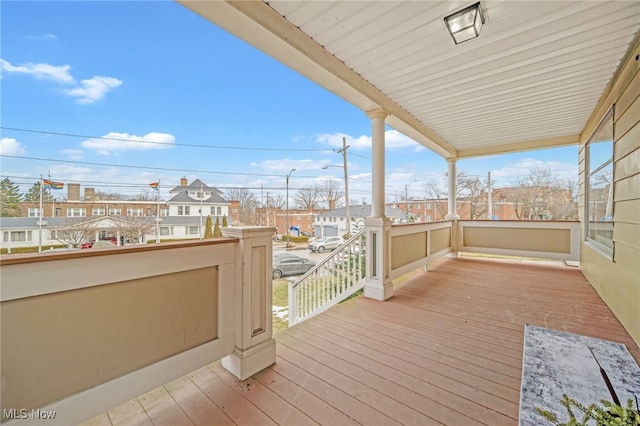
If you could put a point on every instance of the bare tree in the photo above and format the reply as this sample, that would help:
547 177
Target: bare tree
565 200
276 201
74 231
330 193
308 197
471 191
436 190
110 196
132 229
144 195
248 203
536 194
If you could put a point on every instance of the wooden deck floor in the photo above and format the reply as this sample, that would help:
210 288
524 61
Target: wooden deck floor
446 349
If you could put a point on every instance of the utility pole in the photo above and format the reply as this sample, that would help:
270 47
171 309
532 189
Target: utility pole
343 151
267 212
201 199
288 176
158 213
490 207
40 219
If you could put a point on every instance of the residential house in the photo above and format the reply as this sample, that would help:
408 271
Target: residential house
334 223
91 205
197 199
179 217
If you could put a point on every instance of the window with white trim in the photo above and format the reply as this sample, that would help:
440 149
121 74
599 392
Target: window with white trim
115 212
166 230
34 212
599 187
98 211
183 210
135 212
192 230
17 236
77 212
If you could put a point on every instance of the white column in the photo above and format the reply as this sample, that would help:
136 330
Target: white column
255 348
378 285
377 162
451 173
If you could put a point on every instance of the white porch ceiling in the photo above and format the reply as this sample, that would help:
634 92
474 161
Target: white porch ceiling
531 80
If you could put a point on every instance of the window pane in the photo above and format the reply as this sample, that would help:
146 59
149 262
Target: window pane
18 236
599 186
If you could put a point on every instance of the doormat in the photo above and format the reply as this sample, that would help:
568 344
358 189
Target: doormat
556 363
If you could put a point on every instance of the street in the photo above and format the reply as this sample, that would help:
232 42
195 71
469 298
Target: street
301 251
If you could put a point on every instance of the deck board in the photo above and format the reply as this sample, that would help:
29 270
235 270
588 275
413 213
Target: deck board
446 349
200 409
162 409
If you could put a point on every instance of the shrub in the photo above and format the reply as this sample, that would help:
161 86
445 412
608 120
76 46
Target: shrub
294 239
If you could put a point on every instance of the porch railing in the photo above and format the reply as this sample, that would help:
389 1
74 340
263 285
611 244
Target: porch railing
331 281
86 330
539 239
415 245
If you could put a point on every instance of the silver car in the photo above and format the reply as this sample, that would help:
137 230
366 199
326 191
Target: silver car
290 264
326 243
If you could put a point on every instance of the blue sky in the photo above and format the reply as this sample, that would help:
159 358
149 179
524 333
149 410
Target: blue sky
154 71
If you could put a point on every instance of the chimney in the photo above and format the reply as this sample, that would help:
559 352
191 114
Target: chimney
89 194
332 204
73 192
184 181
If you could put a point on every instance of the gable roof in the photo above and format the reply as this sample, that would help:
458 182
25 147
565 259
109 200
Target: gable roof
181 193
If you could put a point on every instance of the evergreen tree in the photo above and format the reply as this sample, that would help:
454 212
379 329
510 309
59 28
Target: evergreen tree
9 198
217 232
208 233
33 194
224 221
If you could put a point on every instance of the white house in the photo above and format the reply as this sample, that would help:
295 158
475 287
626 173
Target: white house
188 199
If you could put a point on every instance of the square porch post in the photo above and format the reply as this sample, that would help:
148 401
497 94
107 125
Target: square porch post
378 285
255 348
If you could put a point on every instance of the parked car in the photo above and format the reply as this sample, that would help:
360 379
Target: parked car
326 243
87 245
290 264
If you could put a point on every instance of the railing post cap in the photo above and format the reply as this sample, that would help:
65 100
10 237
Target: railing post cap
242 232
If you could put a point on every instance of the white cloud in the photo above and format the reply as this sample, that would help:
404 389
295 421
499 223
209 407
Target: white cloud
59 74
519 169
93 89
113 142
45 37
73 154
10 146
393 140
86 92
285 165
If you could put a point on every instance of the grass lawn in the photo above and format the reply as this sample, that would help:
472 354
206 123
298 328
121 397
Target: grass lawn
281 300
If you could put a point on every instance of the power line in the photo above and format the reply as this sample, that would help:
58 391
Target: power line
138 186
129 166
241 148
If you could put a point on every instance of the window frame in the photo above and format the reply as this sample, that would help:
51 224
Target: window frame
35 210
71 212
590 172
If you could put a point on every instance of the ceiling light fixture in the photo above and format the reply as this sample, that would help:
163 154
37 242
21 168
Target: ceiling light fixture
465 24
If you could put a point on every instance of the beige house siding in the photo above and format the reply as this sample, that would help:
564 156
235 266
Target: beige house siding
617 280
